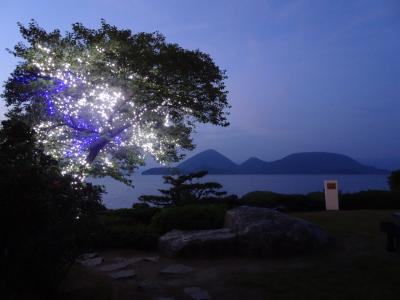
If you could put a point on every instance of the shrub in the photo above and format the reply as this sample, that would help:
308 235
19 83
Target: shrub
316 201
394 181
136 236
189 217
318 196
370 200
294 202
127 228
129 216
261 199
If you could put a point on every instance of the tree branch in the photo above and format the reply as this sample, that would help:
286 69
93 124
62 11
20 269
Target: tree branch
95 148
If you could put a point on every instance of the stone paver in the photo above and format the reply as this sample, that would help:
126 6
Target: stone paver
149 285
114 266
92 262
153 259
197 293
176 270
86 256
123 274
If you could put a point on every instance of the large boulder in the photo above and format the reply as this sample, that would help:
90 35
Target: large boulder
250 231
267 232
197 243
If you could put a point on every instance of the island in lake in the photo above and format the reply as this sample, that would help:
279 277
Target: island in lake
297 163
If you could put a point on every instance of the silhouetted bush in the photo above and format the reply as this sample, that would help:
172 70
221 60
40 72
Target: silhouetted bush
129 216
370 200
318 196
394 181
45 216
190 217
294 202
316 201
127 228
135 236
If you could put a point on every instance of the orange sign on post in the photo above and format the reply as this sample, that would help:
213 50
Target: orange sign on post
331 185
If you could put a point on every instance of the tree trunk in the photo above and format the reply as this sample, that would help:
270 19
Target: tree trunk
95 148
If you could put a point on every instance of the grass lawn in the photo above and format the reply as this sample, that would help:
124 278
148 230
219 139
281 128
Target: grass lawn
357 268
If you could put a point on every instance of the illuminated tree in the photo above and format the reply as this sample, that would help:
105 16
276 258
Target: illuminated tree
100 100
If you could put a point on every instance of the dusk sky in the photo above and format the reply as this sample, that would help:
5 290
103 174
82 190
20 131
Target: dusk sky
303 75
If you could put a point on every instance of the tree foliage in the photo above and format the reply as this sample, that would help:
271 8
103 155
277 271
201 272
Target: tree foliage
394 181
44 215
184 190
101 99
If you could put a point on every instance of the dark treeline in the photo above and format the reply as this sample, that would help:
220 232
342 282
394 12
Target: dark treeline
46 217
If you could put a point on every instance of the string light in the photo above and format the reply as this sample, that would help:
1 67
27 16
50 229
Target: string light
89 118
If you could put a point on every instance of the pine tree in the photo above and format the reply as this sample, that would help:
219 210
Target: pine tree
184 191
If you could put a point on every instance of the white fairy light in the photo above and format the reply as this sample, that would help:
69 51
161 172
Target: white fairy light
83 111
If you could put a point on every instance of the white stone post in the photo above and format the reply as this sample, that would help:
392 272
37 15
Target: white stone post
331 195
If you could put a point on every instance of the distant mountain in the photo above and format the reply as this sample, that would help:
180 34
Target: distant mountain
210 160
162 171
253 165
319 163
298 163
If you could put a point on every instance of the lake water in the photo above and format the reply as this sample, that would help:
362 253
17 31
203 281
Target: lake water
121 196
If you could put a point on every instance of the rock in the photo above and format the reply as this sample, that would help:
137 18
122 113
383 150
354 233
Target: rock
197 293
92 262
252 231
264 232
115 266
176 270
124 274
197 243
